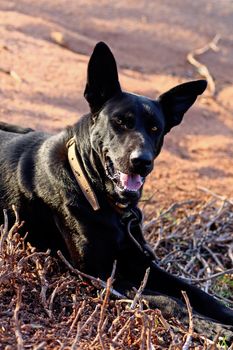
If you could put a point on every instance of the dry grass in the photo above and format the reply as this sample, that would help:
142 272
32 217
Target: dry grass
194 239
46 305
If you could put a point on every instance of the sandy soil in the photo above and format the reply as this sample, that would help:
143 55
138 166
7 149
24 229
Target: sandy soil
41 82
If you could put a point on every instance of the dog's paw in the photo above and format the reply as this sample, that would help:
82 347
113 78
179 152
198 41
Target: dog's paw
203 326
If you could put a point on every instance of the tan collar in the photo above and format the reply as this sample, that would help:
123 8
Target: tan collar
80 176
84 183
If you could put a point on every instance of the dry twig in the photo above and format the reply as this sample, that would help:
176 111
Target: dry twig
97 282
18 333
140 290
79 312
201 68
188 340
100 328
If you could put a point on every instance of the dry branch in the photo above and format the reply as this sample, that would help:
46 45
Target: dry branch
201 68
83 313
4 230
100 328
97 282
210 277
188 340
18 333
11 73
139 292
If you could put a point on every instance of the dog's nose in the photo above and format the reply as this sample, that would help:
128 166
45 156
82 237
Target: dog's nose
141 160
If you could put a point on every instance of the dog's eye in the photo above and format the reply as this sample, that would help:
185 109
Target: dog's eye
121 123
124 123
118 121
154 128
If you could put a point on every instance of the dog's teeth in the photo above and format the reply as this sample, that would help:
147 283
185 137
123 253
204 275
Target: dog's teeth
116 177
128 190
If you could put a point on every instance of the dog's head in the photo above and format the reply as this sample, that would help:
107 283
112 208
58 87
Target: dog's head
128 130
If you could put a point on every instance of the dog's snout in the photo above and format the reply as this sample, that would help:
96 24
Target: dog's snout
141 160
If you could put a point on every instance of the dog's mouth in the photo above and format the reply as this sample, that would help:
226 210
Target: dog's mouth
129 183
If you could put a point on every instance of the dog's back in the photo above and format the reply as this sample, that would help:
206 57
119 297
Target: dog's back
17 154
19 183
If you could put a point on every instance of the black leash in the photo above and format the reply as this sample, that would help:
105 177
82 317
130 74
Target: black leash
132 219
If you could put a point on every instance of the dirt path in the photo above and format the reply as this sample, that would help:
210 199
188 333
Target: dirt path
41 83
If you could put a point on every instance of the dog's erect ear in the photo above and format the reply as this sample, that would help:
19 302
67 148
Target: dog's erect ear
102 77
177 101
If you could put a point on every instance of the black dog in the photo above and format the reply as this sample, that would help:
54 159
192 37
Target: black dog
78 190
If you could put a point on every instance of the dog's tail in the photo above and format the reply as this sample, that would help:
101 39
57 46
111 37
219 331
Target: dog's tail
14 128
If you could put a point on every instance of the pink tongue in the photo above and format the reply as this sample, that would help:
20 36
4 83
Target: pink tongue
131 182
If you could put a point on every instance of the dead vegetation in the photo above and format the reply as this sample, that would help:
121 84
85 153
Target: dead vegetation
47 304
201 68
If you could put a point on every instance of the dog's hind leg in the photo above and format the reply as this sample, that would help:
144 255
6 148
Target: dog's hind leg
14 128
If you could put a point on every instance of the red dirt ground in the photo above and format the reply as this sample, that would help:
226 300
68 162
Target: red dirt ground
41 82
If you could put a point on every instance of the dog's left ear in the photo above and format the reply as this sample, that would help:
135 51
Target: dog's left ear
102 77
177 101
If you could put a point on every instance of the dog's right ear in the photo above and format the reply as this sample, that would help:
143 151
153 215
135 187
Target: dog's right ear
102 77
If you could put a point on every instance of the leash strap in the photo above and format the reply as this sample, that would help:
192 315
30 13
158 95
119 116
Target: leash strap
133 221
80 176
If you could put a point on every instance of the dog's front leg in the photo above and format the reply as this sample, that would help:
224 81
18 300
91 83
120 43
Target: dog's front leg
201 302
133 264
92 239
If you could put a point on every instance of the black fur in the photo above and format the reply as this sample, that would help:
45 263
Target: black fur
122 134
